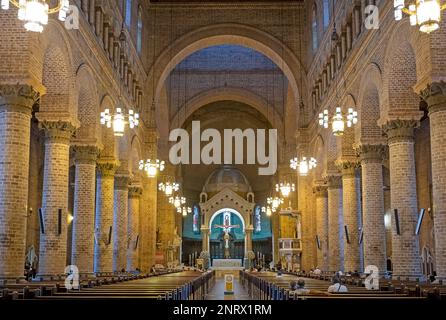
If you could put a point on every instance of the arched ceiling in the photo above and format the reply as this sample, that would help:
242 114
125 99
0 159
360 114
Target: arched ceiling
226 66
225 115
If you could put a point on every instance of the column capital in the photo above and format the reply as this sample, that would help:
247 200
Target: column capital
84 154
18 97
435 96
320 191
57 131
371 153
334 182
122 182
348 167
400 130
204 229
106 167
135 191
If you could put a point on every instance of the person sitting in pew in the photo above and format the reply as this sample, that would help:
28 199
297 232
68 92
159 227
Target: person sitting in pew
356 274
317 271
337 286
433 276
298 288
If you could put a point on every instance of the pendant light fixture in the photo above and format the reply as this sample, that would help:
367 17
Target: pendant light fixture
34 13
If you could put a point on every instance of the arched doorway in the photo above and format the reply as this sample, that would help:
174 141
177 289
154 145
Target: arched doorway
227 235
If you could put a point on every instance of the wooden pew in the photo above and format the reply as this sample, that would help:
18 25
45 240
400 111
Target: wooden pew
267 286
179 286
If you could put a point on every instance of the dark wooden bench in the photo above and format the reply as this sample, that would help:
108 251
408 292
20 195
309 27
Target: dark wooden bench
178 286
267 286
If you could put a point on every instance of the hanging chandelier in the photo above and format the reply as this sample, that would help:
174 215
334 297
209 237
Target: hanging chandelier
35 13
274 203
168 187
184 210
151 167
338 123
303 166
424 13
285 188
269 210
177 201
119 120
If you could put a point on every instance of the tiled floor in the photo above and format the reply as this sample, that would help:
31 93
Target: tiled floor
218 291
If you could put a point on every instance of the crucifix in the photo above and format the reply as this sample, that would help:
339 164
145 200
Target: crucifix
226 229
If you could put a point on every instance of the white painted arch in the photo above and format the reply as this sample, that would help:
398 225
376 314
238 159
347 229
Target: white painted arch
216 213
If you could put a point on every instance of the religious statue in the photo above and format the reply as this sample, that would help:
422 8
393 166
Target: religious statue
226 238
226 229
31 257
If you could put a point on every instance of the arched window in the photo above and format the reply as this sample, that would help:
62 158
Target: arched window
196 220
314 29
326 4
257 219
139 32
128 12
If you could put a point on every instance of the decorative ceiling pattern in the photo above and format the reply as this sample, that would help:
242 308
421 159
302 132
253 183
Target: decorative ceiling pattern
226 1
226 66
226 57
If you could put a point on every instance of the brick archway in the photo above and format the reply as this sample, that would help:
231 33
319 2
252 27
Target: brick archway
235 34
221 94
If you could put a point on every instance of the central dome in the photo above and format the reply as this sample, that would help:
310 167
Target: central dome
227 177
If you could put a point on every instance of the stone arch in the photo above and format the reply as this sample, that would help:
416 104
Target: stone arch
404 66
318 151
135 157
236 34
226 198
369 110
58 75
216 213
332 145
221 94
124 151
345 145
88 105
110 149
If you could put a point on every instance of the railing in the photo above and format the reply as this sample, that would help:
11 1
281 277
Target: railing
259 289
193 290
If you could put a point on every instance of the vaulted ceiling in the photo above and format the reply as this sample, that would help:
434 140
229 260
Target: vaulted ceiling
226 1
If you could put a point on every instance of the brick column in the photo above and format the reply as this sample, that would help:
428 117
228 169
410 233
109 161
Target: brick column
103 249
352 215
148 229
248 231
275 226
307 225
335 234
374 232
435 96
406 258
120 221
16 102
82 254
53 243
322 225
205 238
165 222
133 227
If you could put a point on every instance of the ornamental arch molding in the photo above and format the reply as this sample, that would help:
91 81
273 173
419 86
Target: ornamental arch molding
235 34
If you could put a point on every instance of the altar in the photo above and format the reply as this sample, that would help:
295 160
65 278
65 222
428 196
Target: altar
227 263
223 267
